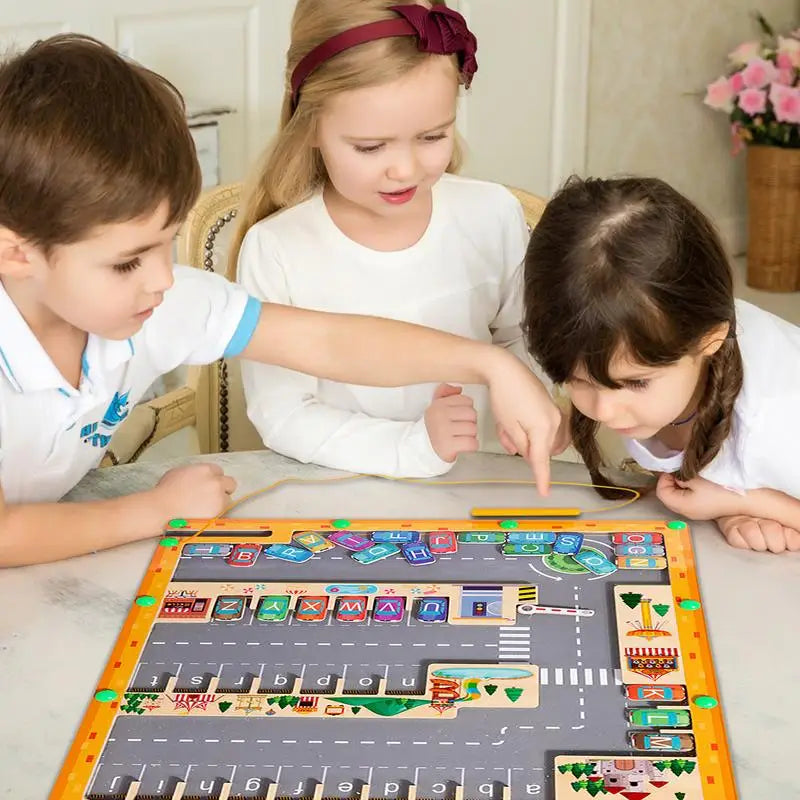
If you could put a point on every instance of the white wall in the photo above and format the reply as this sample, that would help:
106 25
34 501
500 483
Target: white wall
650 61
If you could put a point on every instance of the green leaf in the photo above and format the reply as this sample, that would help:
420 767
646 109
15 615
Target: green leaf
490 688
513 693
661 609
680 795
631 599
766 28
224 705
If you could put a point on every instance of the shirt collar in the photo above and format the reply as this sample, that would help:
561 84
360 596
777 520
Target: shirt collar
29 368
726 469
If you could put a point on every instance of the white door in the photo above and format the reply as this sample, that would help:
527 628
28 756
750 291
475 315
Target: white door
523 120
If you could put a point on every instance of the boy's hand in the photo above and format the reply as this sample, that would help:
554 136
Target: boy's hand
526 415
752 533
697 498
452 422
562 441
197 490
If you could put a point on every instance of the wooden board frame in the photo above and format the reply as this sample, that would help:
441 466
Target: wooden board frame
712 752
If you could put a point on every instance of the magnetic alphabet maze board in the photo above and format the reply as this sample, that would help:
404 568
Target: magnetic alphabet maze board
471 659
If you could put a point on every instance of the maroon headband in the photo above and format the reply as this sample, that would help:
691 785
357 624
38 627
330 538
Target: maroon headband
439 30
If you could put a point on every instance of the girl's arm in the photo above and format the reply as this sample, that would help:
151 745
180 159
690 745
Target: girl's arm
284 409
771 504
702 499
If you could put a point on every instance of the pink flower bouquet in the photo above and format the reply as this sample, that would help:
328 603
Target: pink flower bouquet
761 92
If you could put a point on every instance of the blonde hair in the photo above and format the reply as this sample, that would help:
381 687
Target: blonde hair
291 168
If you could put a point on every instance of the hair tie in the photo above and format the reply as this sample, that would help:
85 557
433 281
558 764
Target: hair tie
439 30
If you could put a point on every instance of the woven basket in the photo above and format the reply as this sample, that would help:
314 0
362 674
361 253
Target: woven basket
773 198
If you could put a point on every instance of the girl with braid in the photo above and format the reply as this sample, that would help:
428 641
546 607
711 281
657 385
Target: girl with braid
629 304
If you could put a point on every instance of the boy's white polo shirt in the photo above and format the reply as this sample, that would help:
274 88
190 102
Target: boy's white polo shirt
52 434
761 450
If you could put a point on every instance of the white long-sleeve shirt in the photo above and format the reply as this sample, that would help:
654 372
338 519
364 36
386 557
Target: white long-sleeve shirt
462 276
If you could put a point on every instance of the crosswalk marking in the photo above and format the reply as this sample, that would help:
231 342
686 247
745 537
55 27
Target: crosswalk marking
514 643
572 676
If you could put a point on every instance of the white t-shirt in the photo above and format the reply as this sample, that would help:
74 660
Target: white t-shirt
762 449
52 434
462 276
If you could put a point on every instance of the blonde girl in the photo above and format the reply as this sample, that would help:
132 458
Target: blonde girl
357 208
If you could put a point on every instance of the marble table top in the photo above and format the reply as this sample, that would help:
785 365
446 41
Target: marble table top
58 622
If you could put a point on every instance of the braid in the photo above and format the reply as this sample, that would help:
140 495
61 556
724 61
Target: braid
583 430
715 412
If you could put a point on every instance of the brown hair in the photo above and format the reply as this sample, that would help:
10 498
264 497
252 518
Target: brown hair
631 264
291 169
88 138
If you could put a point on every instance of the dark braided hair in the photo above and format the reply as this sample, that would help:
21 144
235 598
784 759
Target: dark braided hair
631 264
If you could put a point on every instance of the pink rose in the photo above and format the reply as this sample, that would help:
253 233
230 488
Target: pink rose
753 101
789 47
785 69
786 103
719 95
745 53
759 72
736 82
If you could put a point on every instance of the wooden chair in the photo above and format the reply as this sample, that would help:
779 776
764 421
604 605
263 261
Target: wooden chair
221 416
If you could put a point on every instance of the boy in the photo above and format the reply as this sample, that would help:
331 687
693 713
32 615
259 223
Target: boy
97 171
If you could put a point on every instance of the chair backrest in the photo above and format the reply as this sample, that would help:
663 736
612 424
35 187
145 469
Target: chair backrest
204 242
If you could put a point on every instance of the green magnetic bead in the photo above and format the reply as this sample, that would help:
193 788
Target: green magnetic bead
169 541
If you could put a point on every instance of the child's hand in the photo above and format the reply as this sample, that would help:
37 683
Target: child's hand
752 533
452 422
526 415
562 441
697 498
197 490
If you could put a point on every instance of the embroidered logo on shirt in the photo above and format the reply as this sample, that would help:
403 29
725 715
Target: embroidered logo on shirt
98 434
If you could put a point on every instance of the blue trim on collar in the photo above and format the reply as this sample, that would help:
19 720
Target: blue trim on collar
10 371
